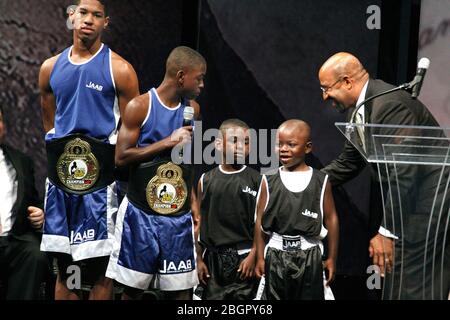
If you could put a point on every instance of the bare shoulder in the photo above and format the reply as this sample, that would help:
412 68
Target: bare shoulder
136 110
120 66
124 75
140 101
47 65
45 72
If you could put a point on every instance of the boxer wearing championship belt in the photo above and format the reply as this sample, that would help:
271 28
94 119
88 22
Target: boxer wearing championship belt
154 245
83 90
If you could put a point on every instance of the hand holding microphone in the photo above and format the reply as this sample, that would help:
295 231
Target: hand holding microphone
188 115
183 135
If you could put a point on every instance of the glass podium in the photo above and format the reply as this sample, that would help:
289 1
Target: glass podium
413 166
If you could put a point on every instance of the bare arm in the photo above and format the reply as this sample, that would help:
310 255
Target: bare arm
247 268
126 150
260 238
48 102
332 223
195 208
125 78
202 269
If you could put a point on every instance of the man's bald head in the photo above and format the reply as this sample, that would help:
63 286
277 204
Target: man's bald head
342 64
342 77
296 127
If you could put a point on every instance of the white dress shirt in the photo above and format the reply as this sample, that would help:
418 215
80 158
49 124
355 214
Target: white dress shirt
8 194
361 98
359 117
361 110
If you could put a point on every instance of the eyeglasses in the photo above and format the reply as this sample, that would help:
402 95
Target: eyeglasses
326 89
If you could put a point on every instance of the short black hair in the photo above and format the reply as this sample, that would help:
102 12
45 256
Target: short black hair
181 58
1 113
233 123
105 4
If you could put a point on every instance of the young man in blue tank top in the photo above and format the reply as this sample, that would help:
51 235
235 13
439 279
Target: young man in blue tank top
154 244
83 91
293 204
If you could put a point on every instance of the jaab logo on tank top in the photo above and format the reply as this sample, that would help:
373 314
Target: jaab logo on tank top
94 86
310 214
250 191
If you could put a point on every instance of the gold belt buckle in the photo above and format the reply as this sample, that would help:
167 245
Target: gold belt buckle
166 192
77 167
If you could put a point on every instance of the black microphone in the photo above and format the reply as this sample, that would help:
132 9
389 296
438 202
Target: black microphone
188 115
416 84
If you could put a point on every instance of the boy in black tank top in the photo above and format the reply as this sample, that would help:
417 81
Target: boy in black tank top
293 203
227 201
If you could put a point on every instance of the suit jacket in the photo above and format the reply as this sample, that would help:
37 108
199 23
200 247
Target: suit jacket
397 108
26 192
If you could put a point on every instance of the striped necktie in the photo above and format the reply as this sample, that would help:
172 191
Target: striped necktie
360 129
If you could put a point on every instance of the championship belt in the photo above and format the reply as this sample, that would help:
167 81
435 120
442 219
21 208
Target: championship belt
79 164
161 187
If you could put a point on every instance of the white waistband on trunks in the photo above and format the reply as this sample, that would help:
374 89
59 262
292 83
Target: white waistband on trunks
243 251
276 242
239 252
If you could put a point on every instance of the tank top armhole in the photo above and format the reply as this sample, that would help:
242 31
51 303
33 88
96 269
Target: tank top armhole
111 70
322 196
147 117
201 182
264 178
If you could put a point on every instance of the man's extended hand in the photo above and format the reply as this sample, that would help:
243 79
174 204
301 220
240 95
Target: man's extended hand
381 249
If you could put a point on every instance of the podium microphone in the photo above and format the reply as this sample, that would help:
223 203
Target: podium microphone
416 84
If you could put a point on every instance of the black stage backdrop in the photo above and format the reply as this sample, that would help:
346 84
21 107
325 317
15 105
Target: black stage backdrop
263 59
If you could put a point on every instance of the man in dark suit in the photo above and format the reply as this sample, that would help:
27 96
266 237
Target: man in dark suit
23 267
346 83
